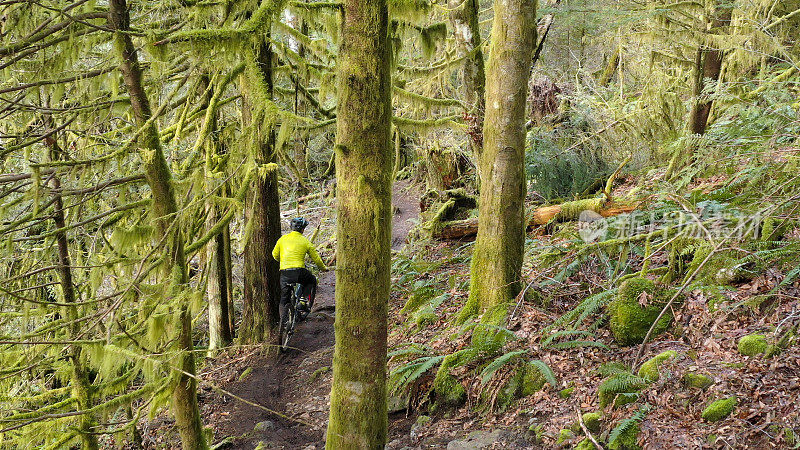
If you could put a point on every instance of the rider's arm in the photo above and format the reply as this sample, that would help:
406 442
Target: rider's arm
276 252
315 257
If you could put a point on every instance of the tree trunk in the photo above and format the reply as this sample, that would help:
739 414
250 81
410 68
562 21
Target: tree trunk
358 417
464 16
164 212
81 387
497 258
610 70
708 65
262 290
219 330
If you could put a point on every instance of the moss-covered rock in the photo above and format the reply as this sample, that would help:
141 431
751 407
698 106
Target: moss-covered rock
585 444
627 440
533 381
564 435
719 409
592 420
753 344
650 368
697 380
629 320
566 393
448 390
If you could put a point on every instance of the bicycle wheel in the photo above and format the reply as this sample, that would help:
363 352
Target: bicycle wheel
287 324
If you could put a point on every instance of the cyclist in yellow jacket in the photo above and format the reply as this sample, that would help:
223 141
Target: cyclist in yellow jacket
290 251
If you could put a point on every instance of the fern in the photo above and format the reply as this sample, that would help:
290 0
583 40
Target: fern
569 345
627 424
546 371
408 373
499 362
411 350
559 334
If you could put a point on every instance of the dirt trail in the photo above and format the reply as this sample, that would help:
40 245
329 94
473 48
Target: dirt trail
297 384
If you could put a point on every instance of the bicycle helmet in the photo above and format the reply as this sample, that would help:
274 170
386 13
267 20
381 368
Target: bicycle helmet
298 224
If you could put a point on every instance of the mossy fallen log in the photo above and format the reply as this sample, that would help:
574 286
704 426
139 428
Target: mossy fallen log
564 212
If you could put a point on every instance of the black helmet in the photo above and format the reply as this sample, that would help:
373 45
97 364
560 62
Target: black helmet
298 224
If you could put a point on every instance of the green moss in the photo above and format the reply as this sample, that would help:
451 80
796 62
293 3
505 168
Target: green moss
592 421
719 409
318 373
697 380
564 435
585 444
490 335
245 374
753 344
627 440
449 391
533 380
509 392
566 393
629 321
649 369
469 310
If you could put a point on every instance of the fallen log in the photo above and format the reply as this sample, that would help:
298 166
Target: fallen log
564 212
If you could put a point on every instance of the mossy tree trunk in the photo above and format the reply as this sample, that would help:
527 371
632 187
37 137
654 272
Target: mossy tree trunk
497 258
219 326
164 213
81 387
464 16
358 417
261 312
708 66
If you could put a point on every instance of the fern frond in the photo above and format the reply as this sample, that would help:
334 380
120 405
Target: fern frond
627 424
569 345
408 373
546 371
499 362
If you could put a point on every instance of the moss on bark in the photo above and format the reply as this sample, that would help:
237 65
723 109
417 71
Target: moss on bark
164 214
497 258
358 417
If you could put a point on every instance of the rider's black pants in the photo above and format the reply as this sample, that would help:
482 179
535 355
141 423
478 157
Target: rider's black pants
300 275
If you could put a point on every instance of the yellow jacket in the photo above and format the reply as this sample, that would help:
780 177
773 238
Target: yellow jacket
291 251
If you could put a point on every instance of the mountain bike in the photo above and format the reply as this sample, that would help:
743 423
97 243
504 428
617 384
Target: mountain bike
294 313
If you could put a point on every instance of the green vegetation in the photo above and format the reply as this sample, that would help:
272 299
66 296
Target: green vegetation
752 345
719 409
650 369
629 320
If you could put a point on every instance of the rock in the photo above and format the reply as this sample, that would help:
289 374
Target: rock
566 393
753 344
564 435
592 421
533 381
477 440
629 320
264 426
697 380
585 444
649 370
719 409
396 403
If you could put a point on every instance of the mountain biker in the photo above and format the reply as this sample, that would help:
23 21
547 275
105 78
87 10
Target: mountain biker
290 251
